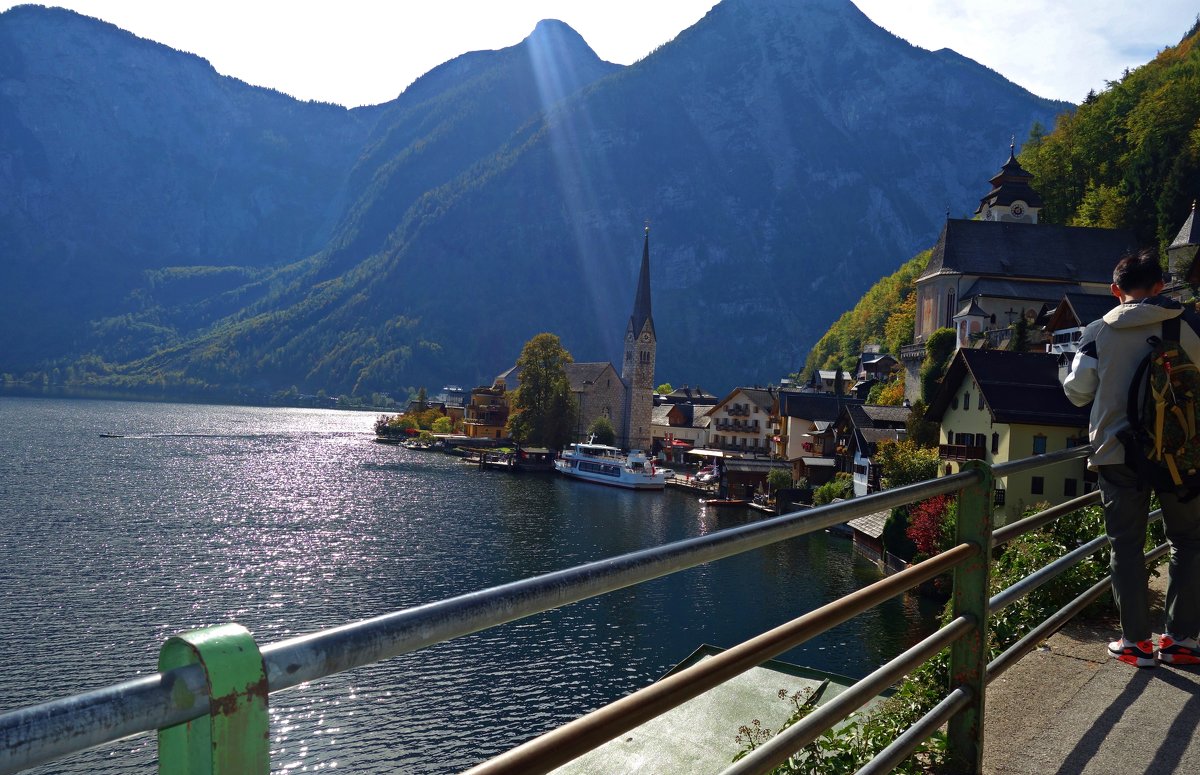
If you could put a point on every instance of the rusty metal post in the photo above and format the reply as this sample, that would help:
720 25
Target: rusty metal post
968 655
233 738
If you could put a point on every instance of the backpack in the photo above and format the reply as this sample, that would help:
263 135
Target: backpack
1162 443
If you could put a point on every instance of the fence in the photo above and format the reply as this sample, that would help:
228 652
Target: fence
220 675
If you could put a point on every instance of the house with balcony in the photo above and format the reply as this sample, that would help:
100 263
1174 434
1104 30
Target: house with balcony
806 439
858 431
875 365
486 413
745 421
996 406
986 273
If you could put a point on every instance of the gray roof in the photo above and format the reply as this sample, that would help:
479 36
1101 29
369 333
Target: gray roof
581 375
872 524
972 308
813 406
659 414
1089 307
1018 388
878 416
1190 233
999 288
876 435
1045 251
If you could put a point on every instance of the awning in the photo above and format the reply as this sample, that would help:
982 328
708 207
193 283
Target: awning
680 443
706 452
816 462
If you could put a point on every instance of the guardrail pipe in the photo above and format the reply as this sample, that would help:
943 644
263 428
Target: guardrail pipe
968 654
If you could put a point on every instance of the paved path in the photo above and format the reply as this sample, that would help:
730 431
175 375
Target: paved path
1068 708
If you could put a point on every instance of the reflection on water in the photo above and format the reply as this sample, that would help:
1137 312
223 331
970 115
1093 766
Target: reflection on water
292 520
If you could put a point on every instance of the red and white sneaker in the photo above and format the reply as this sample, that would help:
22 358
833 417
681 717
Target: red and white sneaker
1183 651
1139 654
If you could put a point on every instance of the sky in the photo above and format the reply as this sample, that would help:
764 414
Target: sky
355 52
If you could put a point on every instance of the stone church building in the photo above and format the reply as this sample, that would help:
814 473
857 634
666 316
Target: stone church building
626 398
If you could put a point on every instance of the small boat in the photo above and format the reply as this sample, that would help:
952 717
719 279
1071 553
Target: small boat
719 502
112 435
603 464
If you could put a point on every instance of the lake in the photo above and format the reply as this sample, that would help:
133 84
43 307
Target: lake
293 520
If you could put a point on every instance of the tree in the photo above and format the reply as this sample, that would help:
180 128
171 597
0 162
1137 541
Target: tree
542 408
779 479
919 430
904 462
422 399
664 388
602 430
938 349
442 425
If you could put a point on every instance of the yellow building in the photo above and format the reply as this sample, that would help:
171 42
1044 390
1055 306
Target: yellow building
486 413
996 406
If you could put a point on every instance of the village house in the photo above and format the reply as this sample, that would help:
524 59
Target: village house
826 381
486 413
806 438
858 431
744 421
996 406
875 365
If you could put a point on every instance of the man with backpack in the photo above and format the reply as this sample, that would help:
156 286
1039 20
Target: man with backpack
1138 367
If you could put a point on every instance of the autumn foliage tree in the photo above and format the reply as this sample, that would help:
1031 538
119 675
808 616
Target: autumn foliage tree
927 526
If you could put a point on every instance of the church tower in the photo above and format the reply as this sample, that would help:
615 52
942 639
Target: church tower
1011 199
637 370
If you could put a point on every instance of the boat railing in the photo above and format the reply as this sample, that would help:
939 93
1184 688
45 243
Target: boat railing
220 676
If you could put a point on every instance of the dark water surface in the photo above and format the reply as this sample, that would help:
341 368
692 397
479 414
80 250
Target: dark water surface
293 520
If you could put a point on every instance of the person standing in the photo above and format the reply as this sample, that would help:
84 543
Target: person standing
1102 373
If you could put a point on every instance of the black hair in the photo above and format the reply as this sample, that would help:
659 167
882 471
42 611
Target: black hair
1138 271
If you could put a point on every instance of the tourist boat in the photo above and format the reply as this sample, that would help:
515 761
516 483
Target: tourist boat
608 465
720 502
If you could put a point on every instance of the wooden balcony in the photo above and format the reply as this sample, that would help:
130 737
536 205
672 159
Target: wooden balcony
961 452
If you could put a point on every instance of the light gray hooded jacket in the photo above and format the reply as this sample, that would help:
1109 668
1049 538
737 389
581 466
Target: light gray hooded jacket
1103 369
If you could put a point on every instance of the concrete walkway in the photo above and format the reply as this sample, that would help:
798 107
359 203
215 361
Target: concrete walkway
1069 708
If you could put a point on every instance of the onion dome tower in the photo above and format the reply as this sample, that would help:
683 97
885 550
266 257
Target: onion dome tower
1011 198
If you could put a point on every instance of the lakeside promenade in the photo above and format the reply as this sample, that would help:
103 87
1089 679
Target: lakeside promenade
1068 708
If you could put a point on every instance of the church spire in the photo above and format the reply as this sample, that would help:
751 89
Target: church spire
641 301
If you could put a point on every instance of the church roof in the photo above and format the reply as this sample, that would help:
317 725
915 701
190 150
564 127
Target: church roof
998 288
1010 184
972 309
583 375
1024 250
1190 233
641 301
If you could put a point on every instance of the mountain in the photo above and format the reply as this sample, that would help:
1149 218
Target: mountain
786 154
119 155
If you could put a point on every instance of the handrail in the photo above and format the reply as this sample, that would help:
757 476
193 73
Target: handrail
40 733
43 732
563 744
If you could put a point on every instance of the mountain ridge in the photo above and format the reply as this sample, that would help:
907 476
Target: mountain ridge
784 154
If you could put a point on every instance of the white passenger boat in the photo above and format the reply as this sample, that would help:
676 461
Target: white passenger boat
608 465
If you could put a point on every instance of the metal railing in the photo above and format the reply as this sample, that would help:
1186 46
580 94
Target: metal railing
167 700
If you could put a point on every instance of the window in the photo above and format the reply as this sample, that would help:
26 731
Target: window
1070 487
980 406
954 402
1037 484
966 401
995 443
998 499
1039 445
949 469
980 440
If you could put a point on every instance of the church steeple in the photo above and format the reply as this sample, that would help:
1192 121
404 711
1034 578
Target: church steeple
637 370
1012 198
1181 255
641 300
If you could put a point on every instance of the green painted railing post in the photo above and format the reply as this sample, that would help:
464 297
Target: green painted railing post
968 655
233 738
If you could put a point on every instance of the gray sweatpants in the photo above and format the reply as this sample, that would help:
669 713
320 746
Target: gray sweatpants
1125 515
